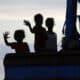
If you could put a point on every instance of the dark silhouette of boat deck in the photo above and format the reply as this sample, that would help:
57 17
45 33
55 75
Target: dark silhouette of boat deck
43 59
42 66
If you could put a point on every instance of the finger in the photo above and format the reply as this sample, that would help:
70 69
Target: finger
7 32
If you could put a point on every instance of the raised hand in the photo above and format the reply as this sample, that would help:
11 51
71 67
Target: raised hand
6 35
27 23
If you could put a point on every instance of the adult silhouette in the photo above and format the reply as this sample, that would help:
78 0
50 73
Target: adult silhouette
51 44
39 31
19 46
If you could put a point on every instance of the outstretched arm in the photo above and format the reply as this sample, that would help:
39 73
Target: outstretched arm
6 37
29 25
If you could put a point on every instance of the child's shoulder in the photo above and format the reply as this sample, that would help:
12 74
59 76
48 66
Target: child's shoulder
13 43
35 27
25 43
54 34
43 28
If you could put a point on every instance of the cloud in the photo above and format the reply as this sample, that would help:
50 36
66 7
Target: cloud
19 9
33 3
19 13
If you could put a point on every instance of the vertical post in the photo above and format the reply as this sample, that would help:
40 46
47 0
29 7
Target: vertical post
71 20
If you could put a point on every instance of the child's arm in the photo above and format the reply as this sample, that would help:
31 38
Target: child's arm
29 25
6 37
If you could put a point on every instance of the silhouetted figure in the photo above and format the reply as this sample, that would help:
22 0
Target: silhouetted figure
73 44
64 44
19 46
51 44
72 47
40 33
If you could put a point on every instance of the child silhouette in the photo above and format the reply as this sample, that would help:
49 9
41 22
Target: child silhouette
39 31
19 46
51 43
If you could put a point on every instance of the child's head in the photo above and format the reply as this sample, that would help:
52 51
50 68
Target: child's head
19 35
49 23
38 19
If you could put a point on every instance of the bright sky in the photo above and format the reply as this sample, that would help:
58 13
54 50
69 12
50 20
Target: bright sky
13 12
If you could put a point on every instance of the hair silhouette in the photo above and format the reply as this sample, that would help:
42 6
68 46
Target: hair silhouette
50 24
19 35
38 18
19 46
51 44
39 31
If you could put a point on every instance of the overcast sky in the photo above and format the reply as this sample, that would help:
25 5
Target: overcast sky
13 12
